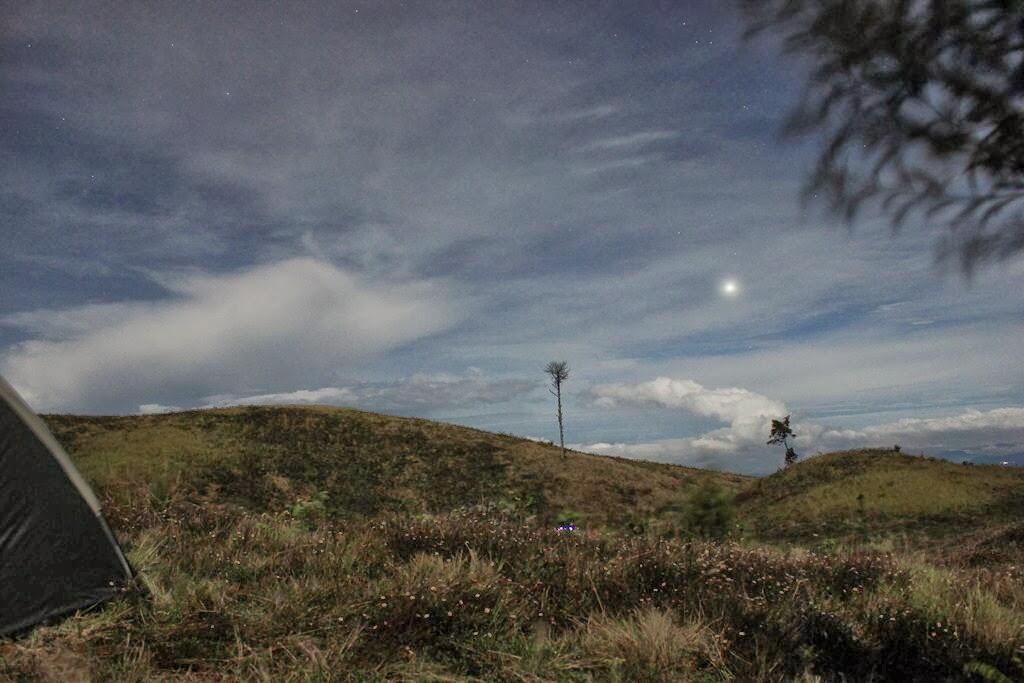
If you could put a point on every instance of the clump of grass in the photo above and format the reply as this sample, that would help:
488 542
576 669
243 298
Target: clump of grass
649 645
435 605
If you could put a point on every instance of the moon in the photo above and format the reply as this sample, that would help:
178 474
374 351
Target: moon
730 287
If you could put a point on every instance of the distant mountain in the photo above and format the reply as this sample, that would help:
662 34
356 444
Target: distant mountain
1012 459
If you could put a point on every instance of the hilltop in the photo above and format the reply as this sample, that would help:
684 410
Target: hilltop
875 492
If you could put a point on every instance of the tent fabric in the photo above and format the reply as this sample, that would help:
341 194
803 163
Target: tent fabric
57 553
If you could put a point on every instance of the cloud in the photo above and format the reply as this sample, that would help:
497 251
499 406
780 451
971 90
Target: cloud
420 393
429 392
746 411
748 414
677 451
324 395
628 163
599 111
60 323
156 409
999 430
278 324
638 139
857 368
535 116
741 445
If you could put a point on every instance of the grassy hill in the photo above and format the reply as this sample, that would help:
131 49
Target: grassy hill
298 544
356 463
360 463
881 492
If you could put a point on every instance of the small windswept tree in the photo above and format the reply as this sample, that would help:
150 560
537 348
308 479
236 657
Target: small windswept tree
781 433
559 372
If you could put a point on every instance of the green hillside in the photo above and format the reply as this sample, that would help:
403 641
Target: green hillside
323 544
360 463
878 492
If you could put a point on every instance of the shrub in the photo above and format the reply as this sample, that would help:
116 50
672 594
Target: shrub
310 511
709 512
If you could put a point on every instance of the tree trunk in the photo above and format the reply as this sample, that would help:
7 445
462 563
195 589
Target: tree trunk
561 434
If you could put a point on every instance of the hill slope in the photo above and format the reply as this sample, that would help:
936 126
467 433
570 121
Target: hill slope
359 463
875 491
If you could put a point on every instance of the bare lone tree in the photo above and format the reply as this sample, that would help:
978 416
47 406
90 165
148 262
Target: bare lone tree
781 434
559 372
919 105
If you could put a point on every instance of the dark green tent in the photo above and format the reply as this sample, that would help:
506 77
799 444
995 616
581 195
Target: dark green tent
57 554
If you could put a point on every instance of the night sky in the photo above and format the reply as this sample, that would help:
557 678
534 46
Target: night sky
413 207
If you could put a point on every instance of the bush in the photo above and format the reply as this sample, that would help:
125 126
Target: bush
311 511
709 512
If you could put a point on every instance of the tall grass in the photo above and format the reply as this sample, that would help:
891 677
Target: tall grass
475 594
315 544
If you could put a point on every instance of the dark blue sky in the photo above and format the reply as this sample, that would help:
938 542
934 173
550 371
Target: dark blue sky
413 207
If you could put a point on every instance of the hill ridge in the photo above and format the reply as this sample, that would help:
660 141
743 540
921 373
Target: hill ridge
356 462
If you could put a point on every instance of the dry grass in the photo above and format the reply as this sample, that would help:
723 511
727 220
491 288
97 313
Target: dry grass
480 595
255 564
648 645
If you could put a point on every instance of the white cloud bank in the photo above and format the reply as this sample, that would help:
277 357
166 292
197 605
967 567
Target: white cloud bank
157 409
741 445
324 395
285 323
747 413
996 431
419 393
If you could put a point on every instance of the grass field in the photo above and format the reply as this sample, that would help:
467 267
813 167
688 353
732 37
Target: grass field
322 544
